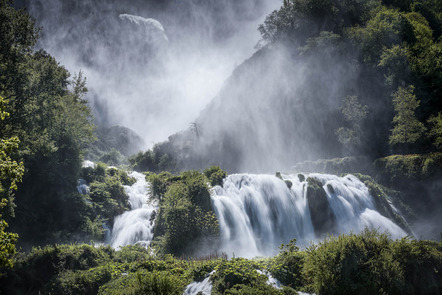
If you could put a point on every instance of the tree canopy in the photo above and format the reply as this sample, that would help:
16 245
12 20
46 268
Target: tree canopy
47 111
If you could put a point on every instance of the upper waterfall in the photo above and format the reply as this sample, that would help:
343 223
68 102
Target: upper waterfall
259 212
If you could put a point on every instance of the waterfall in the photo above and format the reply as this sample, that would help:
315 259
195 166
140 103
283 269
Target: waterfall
204 287
271 281
257 213
135 226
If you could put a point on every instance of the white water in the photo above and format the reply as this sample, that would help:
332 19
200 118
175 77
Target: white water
257 213
205 287
135 226
271 281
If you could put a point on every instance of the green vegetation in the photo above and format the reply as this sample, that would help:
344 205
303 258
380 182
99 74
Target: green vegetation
107 197
354 114
185 219
46 128
49 115
395 40
348 77
10 173
158 159
287 266
367 263
400 169
371 263
382 197
407 129
215 175
436 130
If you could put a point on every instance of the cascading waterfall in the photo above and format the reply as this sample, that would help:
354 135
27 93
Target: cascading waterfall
200 288
135 226
271 281
257 213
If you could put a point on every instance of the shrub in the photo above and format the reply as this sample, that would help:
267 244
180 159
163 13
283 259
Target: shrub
235 272
185 218
371 263
287 266
146 283
215 175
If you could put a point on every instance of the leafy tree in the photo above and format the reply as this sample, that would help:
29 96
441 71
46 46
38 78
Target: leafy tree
301 19
215 175
407 129
435 131
354 114
185 218
395 61
10 173
388 27
53 121
287 265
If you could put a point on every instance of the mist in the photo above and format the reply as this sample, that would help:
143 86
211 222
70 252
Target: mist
151 66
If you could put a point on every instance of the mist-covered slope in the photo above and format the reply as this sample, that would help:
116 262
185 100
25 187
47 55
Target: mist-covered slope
149 61
332 79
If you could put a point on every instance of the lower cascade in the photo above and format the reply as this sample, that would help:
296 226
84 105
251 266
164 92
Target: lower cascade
200 288
257 213
135 226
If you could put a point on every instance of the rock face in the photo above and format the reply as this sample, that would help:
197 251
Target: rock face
323 218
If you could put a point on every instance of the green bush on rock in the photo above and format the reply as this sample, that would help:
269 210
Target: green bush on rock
215 175
185 218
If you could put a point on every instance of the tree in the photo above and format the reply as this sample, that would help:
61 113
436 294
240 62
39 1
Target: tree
53 121
435 131
407 129
10 173
354 114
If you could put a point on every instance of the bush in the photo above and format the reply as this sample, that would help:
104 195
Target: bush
107 196
371 263
215 175
185 218
287 266
146 283
35 272
237 271
400 169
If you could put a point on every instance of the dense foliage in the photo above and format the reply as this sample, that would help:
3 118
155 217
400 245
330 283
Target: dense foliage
105 198
185 222
367 263
48 114
399 41
371 263
10 173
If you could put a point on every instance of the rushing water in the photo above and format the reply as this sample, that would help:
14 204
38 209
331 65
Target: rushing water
135 226
257 213
271 281
204 287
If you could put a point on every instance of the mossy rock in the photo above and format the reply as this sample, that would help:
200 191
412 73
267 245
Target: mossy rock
323 218
400 169
381 196
331 188
288 183
301 177
278 174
